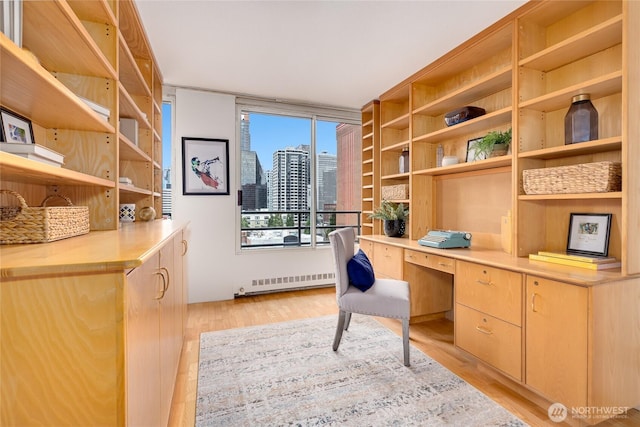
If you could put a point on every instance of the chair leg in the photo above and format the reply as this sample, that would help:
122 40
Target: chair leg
341 322
347 321
405 341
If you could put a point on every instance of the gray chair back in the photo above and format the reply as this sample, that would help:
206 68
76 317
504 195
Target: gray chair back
342 244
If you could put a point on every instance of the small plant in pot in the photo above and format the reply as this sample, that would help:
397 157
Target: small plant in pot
394 216
495 143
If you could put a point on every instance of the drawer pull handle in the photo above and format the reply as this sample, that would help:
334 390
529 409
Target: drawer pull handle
533 302
484 282
442 264
484 330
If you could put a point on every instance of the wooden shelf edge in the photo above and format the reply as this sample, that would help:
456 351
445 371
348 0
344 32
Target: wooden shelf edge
589 147
486 164
483 122
130 151
124 188
33 172
572 196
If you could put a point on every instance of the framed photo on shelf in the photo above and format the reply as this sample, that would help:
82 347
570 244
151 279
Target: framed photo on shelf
205 166
589 234
472 151
15 128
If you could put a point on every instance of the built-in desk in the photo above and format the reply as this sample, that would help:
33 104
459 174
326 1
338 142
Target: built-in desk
571 335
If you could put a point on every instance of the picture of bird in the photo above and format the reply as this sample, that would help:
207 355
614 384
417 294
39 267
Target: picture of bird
203 170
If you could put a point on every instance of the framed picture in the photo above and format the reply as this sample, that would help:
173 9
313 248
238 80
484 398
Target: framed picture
589 234
472 152
15 128
205 166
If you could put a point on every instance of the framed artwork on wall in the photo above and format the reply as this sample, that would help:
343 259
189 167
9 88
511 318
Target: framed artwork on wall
205 166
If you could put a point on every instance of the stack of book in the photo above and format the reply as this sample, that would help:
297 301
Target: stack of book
35 152
582 261
101 110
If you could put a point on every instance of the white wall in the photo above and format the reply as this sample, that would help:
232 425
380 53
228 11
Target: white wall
215 267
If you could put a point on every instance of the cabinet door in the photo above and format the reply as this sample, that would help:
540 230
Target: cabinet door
143 349
170 327
556 340
387 261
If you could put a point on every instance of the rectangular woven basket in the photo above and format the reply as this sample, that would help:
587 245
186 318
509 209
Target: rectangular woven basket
25 224
395 192
599 177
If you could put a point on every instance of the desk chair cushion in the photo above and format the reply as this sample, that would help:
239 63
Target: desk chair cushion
386 298
360 271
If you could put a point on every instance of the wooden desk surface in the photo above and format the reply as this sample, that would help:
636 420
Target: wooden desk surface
499 259
93 252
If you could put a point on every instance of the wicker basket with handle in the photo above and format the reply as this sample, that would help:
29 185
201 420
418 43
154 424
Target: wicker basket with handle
25 224
598 177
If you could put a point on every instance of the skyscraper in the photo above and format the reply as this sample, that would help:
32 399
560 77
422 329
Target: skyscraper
290 179
252 179
326 165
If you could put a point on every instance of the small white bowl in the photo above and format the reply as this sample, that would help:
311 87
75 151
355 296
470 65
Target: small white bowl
449 160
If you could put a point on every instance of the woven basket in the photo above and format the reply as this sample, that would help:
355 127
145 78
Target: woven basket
599 177
24 224
395 192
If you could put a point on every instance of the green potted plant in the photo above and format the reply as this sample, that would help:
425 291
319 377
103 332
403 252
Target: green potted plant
394 216
493 144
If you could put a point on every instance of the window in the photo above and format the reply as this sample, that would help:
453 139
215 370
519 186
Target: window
299 176
167 132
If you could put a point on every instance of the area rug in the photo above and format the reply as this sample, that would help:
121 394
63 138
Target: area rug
287 374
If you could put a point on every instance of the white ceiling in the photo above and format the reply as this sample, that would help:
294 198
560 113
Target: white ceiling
338 53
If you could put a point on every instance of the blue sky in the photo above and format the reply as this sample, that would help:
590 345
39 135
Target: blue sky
270 133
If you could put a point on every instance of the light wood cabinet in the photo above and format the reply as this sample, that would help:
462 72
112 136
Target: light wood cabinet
155 319
387 261
488 316
557 340
523 70
92 328
112 65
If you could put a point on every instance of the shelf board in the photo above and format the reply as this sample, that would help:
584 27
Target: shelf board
128 108
368 148
19 169
132 29
52 46
94 11
486 164
396 176
130 151
124 188
595 39
398 146
494 82
589 147
368 135
47 101
401 122
487 121
130 75
367 174
602 86
610 195
364 162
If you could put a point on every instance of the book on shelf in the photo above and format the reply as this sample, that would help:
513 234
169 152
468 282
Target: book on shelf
35 152
583 258
102 111
574 263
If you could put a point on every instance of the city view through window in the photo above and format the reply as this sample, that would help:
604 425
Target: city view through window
279 197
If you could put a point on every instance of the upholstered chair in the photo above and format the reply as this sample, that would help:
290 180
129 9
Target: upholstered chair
383 298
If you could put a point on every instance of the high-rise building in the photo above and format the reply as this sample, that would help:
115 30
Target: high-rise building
326 165
349 165
252 180
290 179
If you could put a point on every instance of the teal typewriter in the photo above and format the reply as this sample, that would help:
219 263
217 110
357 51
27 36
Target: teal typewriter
442 239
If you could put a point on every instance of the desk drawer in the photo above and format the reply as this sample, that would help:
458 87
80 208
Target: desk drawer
491 290
367 248
492 340
435 262
387 261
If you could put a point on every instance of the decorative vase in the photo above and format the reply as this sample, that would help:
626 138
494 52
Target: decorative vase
394 227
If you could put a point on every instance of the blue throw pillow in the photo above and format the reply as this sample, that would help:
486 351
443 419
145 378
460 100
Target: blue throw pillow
360 271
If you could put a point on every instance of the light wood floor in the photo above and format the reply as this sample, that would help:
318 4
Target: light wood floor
434 338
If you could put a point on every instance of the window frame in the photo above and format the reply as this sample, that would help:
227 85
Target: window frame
314 113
